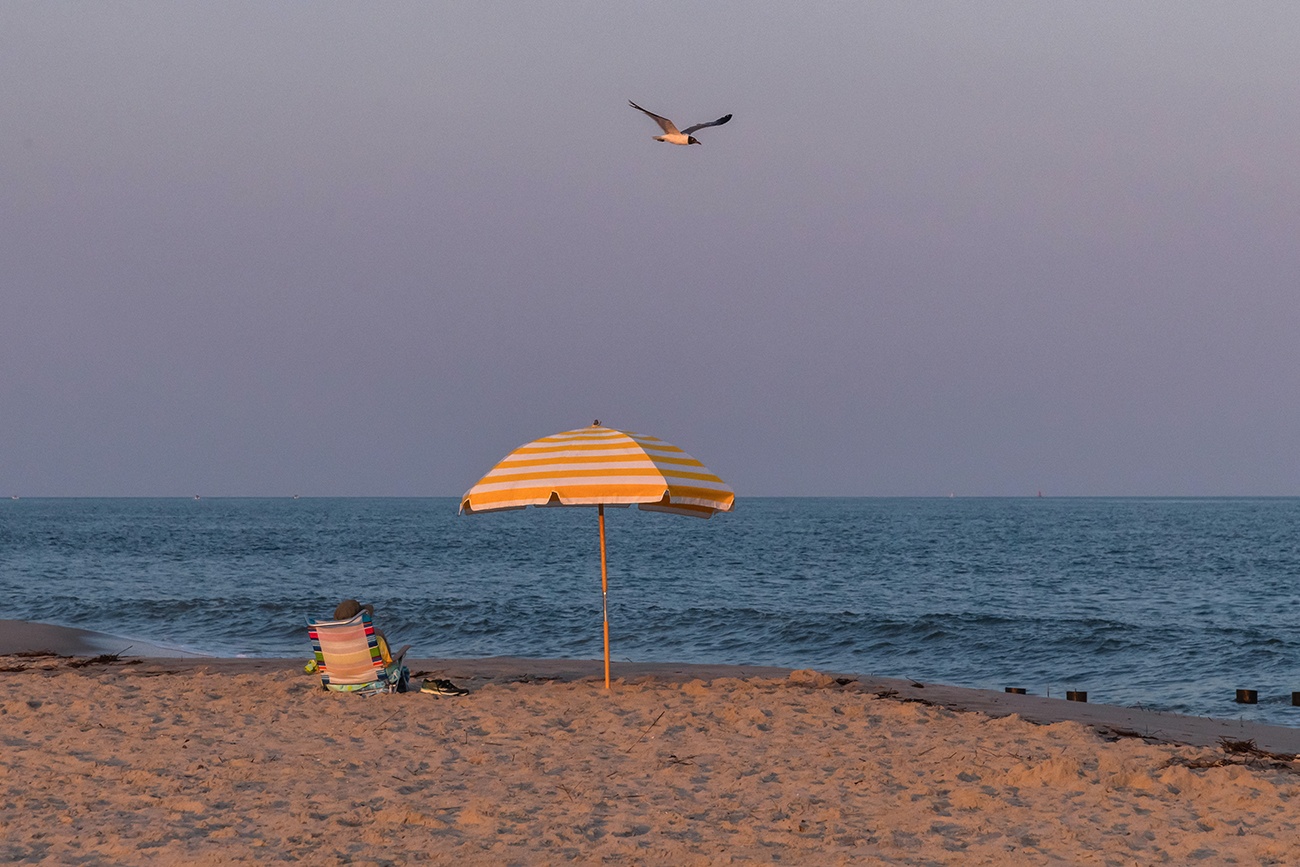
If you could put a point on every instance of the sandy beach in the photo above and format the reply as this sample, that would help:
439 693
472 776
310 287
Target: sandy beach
157 760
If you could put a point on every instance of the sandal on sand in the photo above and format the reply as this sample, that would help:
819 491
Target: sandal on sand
437 686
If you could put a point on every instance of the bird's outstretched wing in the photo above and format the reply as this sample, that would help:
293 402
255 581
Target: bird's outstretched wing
719 122
664 123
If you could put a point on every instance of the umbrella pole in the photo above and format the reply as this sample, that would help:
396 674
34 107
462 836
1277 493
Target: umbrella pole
604 588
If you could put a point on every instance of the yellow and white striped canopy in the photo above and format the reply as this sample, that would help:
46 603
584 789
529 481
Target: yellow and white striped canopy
595 466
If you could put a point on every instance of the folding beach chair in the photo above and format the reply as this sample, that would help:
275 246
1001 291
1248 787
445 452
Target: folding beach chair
349 658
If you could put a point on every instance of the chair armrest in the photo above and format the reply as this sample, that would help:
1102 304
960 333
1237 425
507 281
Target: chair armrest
397 657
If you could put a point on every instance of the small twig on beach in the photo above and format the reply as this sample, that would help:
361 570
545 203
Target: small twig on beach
1118 733
361 726
647 731
536 678
1249 748
386 719
102 659
1243 753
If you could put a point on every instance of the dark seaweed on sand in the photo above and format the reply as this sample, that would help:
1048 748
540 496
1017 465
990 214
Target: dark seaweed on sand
102 659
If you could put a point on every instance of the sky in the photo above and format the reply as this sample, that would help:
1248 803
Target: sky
337 249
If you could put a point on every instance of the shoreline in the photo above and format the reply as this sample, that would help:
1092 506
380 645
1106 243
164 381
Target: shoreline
19 636
27 636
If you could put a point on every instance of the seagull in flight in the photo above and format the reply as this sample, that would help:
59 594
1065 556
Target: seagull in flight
671 134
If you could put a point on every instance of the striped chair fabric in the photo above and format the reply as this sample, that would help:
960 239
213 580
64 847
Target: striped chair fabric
348 656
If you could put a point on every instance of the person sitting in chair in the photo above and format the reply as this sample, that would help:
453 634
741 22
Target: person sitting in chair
350 608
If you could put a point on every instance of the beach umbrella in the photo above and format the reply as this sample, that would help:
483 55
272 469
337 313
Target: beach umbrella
600 466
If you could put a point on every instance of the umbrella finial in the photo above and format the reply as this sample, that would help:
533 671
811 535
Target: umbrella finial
596 423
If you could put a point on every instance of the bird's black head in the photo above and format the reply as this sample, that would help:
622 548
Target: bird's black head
690 140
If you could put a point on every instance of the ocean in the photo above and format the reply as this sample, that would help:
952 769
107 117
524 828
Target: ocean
1169 604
